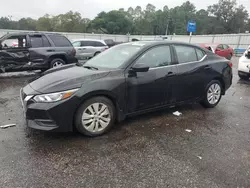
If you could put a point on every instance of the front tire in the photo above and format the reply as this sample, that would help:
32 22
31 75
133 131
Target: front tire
95 116
213 94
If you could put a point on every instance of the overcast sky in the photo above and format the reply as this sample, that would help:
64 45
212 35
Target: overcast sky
88 8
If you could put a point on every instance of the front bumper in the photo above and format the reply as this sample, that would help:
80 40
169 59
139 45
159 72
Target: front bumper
56 116
241 73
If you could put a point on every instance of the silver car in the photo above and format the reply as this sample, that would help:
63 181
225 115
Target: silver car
88 48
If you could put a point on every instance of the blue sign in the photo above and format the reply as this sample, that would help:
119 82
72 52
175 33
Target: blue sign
191 26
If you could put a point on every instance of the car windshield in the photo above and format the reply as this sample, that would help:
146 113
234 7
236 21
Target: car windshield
114 57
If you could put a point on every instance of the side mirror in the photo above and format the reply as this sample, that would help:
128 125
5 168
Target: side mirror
140 68
217 50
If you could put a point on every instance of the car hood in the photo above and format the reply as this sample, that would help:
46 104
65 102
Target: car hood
65 78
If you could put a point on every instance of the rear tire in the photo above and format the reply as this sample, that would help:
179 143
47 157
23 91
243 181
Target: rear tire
95 116
57 62
212 94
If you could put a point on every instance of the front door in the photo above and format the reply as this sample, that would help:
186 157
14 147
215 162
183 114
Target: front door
221 51
14 54
151 89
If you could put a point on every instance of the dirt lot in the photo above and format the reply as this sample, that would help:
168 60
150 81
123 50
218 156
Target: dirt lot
153 150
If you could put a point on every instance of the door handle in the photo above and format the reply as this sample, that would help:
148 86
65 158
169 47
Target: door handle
82 49
50 50
207 67
169 74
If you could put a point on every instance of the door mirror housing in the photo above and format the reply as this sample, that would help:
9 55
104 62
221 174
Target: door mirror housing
140 68
217 50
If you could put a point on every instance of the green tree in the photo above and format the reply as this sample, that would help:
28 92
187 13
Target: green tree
45 23
27 24
113 22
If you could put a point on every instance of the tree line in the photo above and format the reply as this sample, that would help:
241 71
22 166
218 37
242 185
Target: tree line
224 17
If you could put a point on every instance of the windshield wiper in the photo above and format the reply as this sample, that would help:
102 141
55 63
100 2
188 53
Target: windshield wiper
90 67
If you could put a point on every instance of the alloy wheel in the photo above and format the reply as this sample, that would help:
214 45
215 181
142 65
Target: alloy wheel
214 93
96 117
57 64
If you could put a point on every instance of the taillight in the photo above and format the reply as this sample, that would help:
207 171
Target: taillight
106 48
230 64
74 52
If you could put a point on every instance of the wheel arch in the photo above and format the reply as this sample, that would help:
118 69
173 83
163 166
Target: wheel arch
102 93
55 56
222 84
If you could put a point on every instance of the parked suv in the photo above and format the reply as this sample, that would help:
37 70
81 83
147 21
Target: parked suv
34 51
88 48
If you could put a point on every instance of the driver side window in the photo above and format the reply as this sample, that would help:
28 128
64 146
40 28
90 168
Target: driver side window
156 57
14 42
220 47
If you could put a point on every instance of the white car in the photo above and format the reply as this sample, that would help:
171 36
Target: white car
244 65
88 48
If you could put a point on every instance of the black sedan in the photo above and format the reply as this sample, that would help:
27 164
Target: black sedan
128 79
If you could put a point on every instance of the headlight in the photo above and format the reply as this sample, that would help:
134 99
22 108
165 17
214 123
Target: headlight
54 97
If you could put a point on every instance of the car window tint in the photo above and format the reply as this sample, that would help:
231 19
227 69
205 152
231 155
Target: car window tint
98 44
225 46
77 44
87 43
156 57
46 42
220 47
200 54
60 41
185 54
36 41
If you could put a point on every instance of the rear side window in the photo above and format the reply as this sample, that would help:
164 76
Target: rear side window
98 44
46 42
92 43
36 41
86 43
200 54
60 41
39 41
186 54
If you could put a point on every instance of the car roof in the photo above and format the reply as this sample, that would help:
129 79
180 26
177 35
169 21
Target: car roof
96 40
28 33
155 43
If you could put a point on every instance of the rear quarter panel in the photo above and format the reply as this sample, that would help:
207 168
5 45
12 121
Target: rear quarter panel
222 71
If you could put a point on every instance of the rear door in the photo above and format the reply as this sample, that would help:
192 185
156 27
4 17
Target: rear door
153 88
39 49
192 71
14 54
87 49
